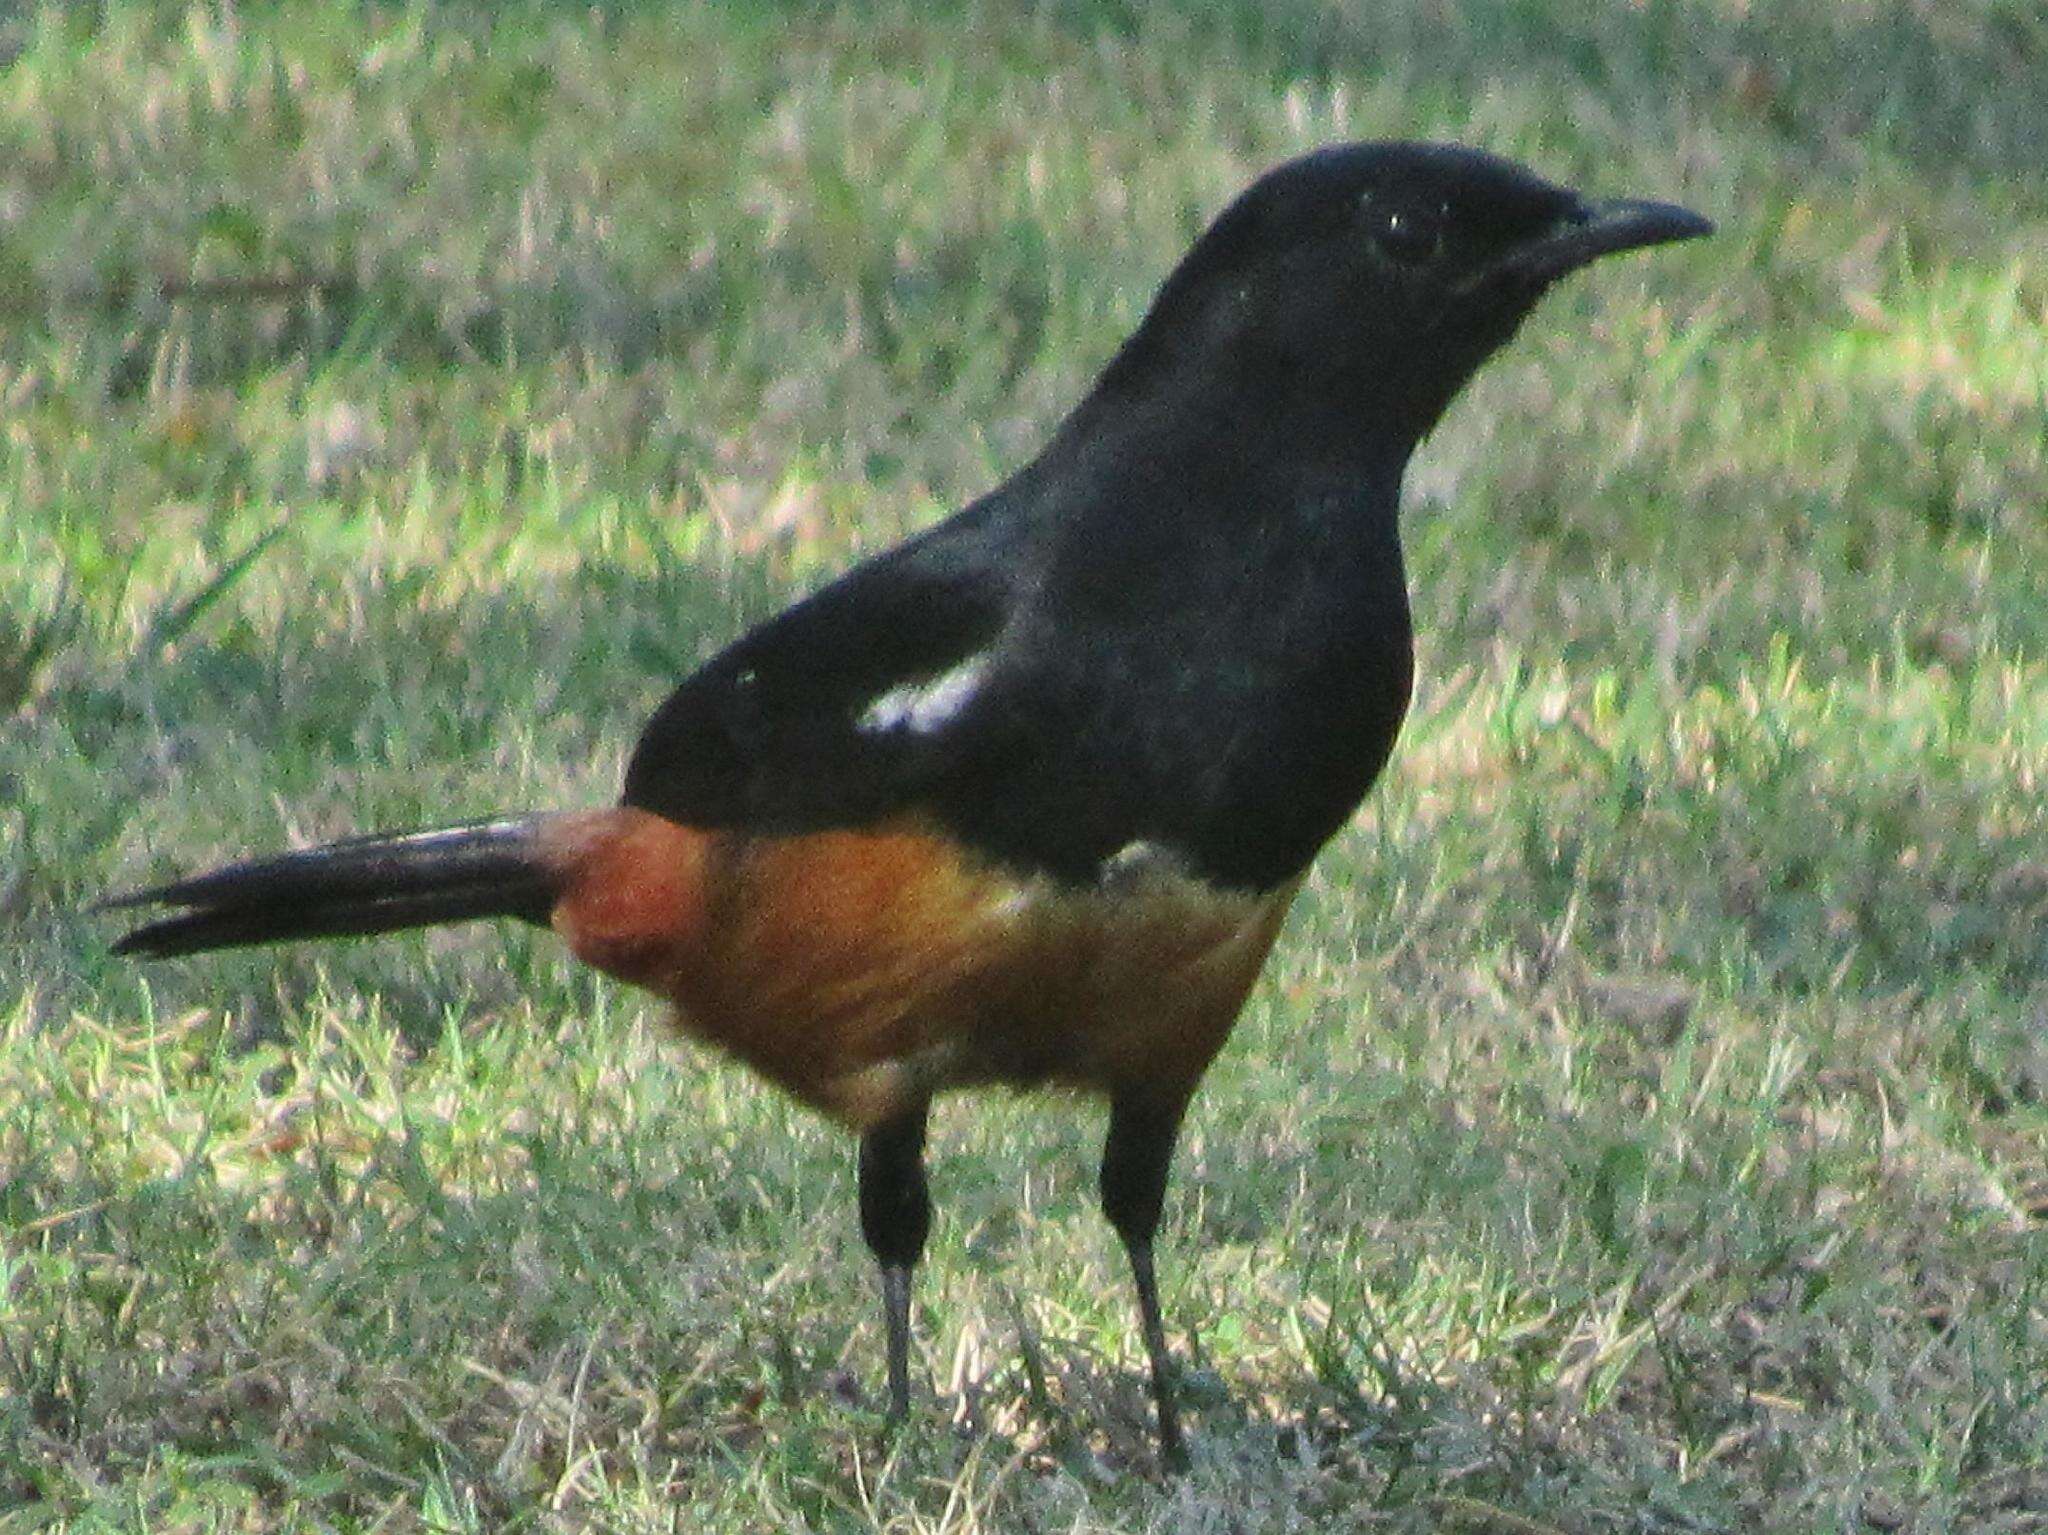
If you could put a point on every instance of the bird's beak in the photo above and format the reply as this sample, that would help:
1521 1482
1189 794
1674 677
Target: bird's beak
1595 229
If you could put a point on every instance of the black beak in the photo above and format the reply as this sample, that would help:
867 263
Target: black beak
1595 229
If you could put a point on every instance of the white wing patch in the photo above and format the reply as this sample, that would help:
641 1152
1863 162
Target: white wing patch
928 705
1141 863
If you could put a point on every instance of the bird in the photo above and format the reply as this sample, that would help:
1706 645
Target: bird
1022 800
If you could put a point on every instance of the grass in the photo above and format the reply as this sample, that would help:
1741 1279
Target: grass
1642 1124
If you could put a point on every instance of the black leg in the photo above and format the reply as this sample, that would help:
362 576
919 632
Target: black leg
895 1216
1135 1160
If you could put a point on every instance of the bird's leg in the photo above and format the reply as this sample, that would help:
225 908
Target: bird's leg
1135 1158
895 1216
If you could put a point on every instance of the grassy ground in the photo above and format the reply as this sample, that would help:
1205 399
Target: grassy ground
1642 1125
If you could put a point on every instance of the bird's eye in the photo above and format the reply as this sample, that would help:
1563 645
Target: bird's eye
1408 236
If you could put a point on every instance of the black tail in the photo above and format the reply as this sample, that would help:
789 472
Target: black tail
364 885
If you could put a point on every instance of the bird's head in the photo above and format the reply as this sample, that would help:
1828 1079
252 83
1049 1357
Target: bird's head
1375 278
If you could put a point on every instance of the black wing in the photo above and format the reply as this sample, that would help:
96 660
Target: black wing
840 709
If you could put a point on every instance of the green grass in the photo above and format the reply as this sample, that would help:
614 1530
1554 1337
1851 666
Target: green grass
1643 1123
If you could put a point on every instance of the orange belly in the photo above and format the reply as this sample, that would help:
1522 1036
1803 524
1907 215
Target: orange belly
865 970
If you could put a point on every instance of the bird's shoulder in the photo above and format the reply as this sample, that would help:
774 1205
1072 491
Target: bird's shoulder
838 708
